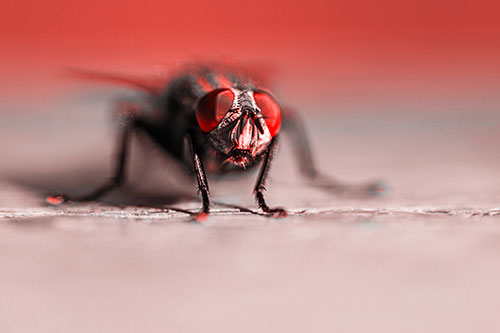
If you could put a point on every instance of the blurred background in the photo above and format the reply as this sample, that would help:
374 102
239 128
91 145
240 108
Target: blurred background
328 56
406 91
391 86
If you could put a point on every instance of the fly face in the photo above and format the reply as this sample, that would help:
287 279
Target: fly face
239 124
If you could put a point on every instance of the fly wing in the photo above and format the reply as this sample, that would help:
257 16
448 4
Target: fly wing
150 85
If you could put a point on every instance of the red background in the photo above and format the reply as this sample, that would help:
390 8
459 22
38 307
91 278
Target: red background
330 55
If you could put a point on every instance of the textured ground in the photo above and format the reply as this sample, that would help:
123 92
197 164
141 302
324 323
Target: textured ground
423 258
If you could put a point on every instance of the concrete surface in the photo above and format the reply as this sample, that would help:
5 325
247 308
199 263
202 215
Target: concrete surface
424 258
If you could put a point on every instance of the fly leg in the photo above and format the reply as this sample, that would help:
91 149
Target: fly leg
294 127
128 115
201 177
260 186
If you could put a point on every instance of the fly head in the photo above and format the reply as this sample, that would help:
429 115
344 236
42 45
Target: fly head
239 124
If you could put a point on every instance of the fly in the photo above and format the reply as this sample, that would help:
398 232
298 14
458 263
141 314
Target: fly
226 121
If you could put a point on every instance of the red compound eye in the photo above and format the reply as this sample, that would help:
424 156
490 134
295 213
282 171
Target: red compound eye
213 107
270 111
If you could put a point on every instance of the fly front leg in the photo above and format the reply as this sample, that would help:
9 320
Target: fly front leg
128 116
260 186
201 177
293 125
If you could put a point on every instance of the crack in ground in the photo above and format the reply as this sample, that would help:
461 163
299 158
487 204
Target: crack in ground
168 213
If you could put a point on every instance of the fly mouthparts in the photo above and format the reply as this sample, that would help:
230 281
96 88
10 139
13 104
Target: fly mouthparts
240 153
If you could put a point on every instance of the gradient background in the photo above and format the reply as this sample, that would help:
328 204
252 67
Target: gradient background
327 56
